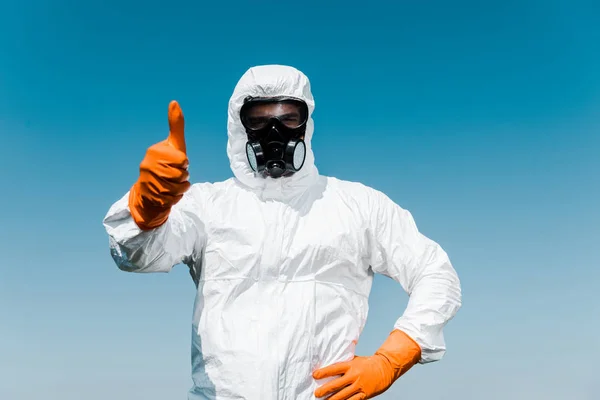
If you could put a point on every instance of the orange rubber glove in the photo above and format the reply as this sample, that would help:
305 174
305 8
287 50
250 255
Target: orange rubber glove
367 377
163 176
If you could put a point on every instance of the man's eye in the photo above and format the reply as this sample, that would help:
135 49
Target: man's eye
256 120
291 119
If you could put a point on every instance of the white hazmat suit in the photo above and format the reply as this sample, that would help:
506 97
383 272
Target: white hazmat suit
284 267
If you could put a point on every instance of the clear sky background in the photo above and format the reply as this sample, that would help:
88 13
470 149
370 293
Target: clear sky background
480 117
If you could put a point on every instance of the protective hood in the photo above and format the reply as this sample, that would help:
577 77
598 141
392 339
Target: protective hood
267 81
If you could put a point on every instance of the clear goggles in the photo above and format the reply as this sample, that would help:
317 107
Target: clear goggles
258 113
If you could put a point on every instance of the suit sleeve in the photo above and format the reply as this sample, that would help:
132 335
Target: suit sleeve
423 269
179 240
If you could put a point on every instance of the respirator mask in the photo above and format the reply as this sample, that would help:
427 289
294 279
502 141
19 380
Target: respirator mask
275 127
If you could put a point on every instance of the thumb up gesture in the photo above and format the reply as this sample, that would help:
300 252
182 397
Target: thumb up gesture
163 176
176 127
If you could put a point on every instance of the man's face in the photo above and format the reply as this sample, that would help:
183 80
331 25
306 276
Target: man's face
257 117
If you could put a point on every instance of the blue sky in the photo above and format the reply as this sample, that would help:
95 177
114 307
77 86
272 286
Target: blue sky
481 118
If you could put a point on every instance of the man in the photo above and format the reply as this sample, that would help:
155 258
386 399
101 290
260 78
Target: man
283 258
